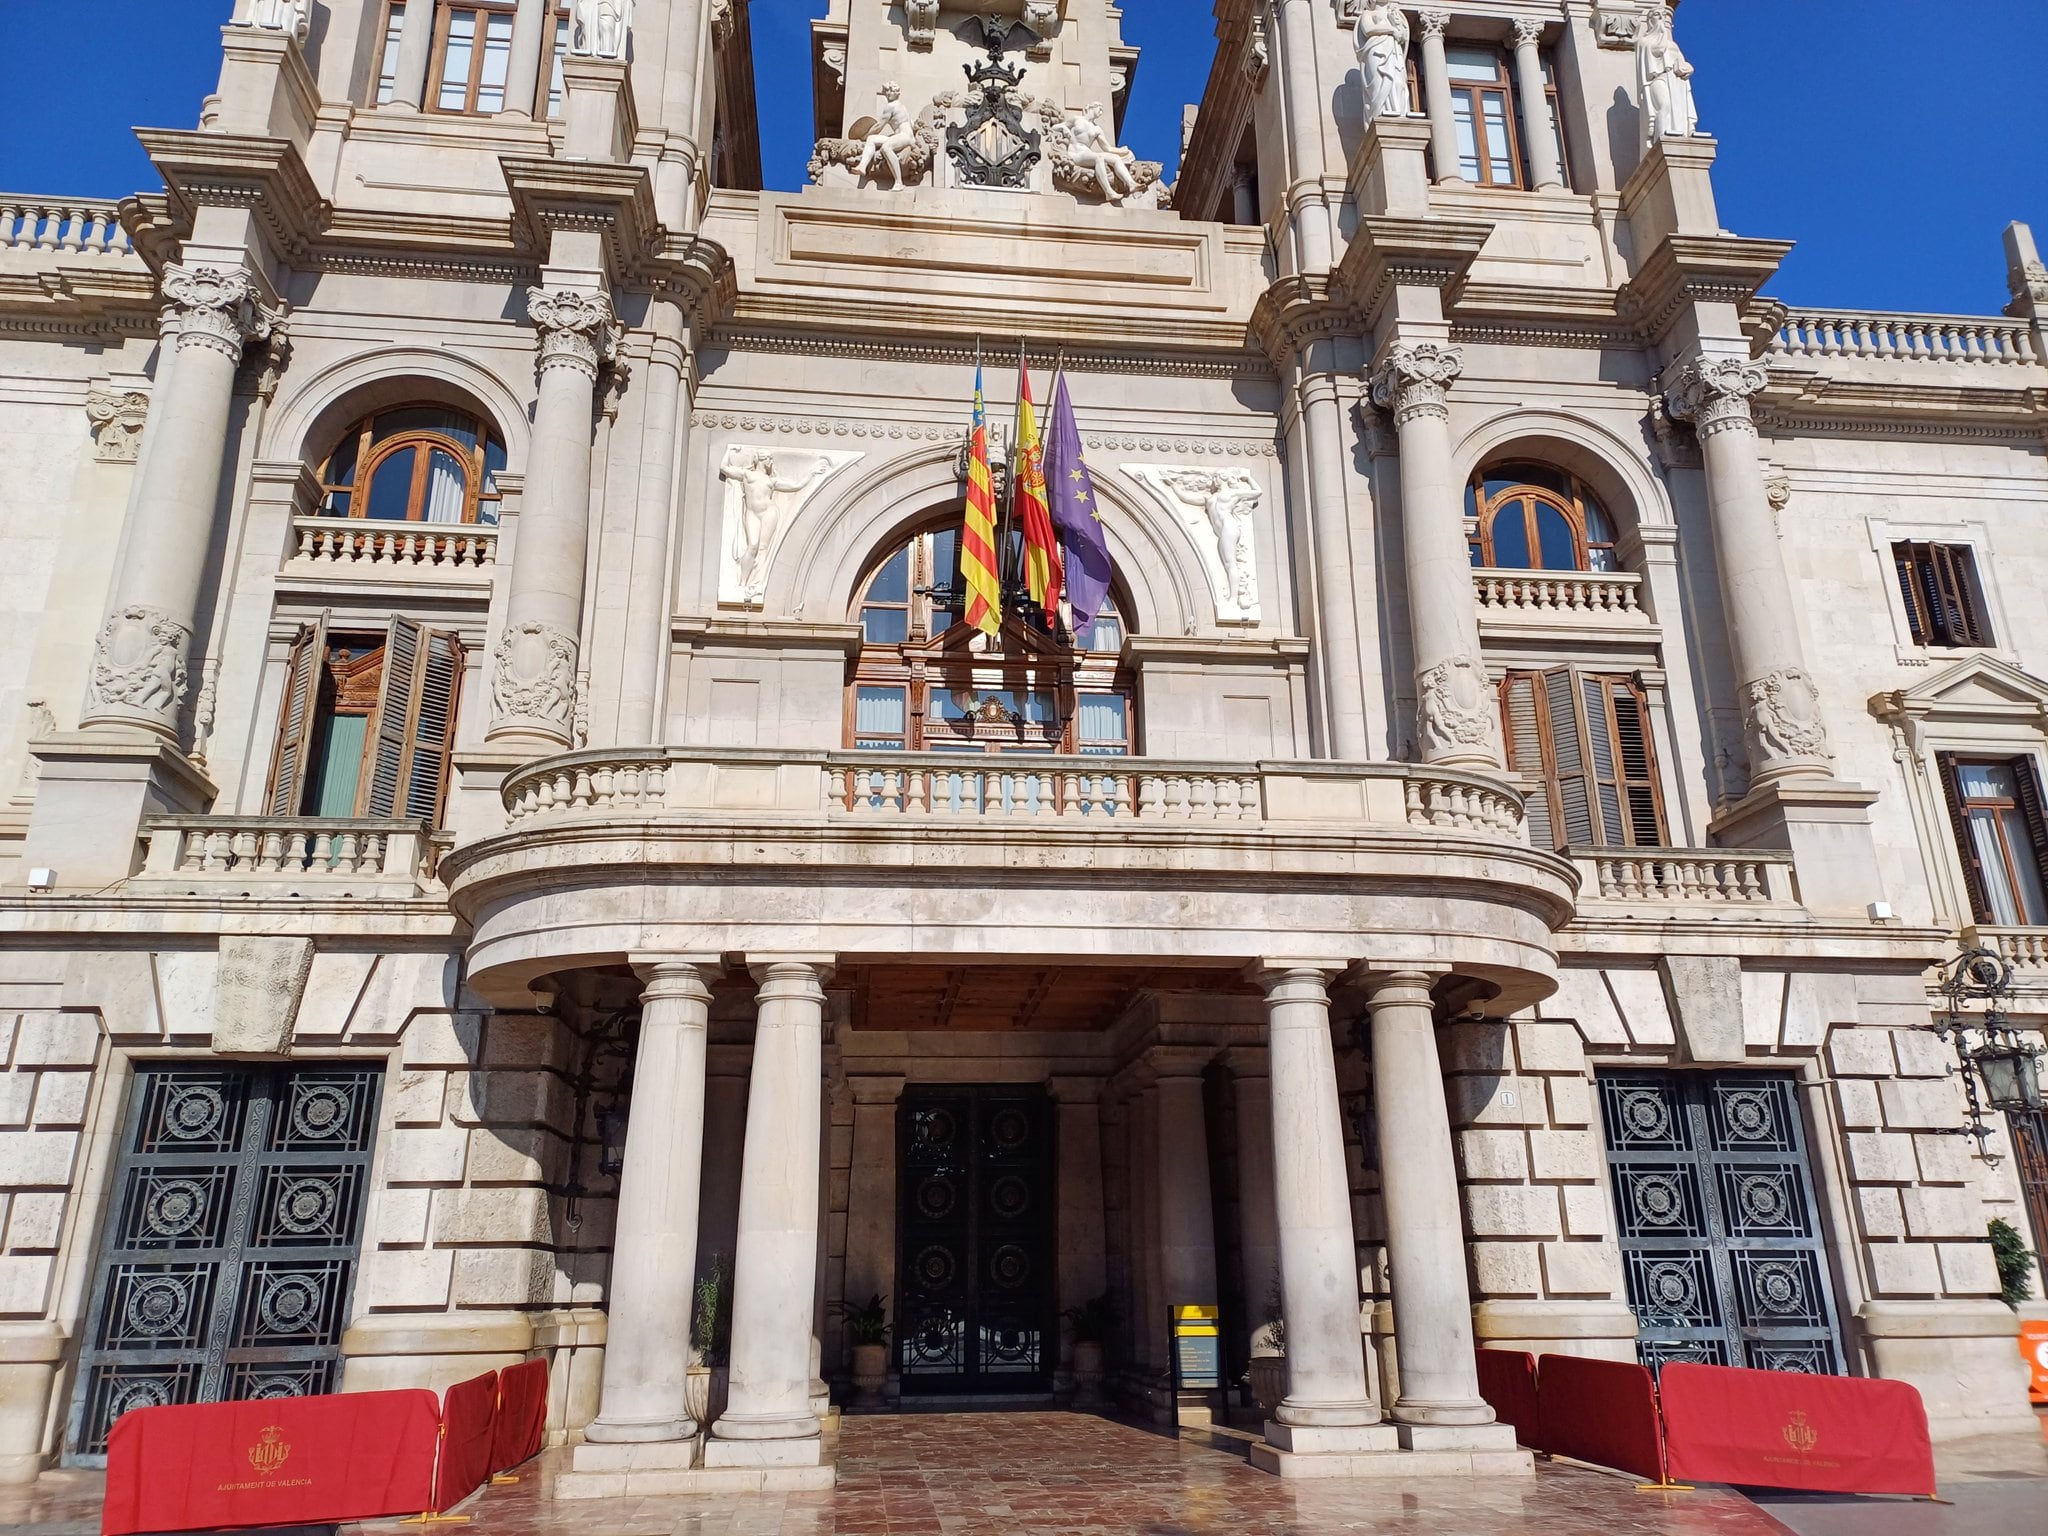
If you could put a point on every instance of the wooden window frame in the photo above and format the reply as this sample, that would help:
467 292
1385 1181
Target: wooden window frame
444 28
1572 507
410 690
1553 95
1022 661
1943 593
1504 87
383 46
371 452
2028 799
1619 806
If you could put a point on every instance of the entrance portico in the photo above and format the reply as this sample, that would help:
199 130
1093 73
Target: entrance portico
1022 1034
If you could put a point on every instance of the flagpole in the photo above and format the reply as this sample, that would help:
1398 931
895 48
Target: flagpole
1013 575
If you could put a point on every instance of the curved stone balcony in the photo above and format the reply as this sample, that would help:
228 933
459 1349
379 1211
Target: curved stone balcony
943 858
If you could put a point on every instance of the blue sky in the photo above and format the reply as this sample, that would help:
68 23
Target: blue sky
1893 153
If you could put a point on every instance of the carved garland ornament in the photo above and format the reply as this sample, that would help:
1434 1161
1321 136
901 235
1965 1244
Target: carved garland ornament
1783 715
534 676
139 663
577 329
1714 394
1416 380
217 307
1458 708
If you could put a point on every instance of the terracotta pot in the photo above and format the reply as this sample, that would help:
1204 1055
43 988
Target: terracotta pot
1267 1378
1087 1374
870 1374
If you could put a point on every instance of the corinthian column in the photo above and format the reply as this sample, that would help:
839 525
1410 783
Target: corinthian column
1529 83
654 1256
533 674
1780 706
1436 91
139 669
1457 721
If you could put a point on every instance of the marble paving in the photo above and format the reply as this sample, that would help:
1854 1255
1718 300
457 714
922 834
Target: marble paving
1062 1474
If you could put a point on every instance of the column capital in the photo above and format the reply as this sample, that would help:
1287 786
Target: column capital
791 976
674 978
1528 31
1179 1061
218 307
1714 393
1414 379
877 1089
1408 988
578 329
1433 23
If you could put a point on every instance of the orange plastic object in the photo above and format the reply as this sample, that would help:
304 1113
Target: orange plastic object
2034 1345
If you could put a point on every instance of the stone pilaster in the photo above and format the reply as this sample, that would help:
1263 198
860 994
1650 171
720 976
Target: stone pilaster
1457 718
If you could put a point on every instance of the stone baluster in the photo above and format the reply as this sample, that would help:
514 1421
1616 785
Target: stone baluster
1425 1228
1436 94
1329 1408
533 683
1457 716
1780 704
139 673
654 1255
768 1419
1538 133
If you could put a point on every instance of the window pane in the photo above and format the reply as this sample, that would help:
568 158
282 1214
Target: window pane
455 64
1554 539
879 717
555 72
387 68
341 468
892 581
490 95
1103 718
1599 559
1511 537
1480 64
1987 781
885 626
447 487
425 418
1106 634
1501 169
391 486
1599 530
1999 894
1468 140
2029 902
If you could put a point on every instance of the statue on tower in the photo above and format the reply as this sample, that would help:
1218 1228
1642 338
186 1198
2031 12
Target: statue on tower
1664 80
1095 152
1381 42
293 16
600 29
892 134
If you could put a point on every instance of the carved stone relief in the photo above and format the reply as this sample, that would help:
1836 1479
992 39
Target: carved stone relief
765 488
139 663
1086 159
1218 510
117 417
217 307
257 990
578 329
921 23
1782 716
891 140
1617 26
533 678
1457 708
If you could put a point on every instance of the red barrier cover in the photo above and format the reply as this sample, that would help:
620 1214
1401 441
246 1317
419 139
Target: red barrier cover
1602 1411
276 1461
1780 1429
1507 1380
522 1415
469 1423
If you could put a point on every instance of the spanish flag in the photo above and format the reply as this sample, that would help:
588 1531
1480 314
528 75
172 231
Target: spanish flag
978 566
1042 574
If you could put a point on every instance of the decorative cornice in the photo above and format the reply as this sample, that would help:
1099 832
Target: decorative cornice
1689 269
962 350
1390 252
1296 312
265 176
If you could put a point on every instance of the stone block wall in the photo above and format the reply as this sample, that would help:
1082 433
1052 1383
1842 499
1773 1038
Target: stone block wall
51 1060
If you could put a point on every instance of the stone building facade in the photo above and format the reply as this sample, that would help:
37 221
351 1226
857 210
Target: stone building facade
504 822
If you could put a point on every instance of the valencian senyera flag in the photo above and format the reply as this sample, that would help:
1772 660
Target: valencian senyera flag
1042 576
978 564
1074 513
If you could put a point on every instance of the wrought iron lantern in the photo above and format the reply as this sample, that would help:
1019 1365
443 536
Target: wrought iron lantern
2011 1073
2000 1059
611 1137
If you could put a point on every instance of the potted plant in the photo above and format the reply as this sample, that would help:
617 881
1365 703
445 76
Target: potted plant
1267 1374
704 1386
1094 1321
867 1330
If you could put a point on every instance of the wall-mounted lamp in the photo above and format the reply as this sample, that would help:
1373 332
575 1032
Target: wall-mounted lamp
1999 1058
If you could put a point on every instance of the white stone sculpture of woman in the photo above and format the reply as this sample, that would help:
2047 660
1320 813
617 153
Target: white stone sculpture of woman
1664 80
1381 41
600 28
892 134
1228 503
1094 152
293 16
761 512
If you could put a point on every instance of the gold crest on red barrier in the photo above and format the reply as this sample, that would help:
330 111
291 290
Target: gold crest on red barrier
1800 1435
270 1451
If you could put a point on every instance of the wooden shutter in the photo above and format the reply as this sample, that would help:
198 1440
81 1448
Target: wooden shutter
1602 762
298 718
1636 758
1522 723
2026 777
1966 845
390 750
1906 561
1574 791
433 734
1955 581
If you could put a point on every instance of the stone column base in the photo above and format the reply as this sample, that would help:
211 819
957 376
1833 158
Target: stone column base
29 1353
809 1452
1387 1459
1962 1356
662 1469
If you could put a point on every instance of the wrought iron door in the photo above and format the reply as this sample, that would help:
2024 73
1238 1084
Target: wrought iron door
1720 1238
2030 1144
231 1242
975 1268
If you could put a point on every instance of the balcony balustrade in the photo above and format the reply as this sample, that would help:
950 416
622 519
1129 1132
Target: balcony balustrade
334 546
317 853
1106 792
2024 949
1817 333
79 225
1686 877
1566 595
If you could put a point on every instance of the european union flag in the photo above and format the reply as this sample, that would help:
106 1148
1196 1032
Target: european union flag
1074 512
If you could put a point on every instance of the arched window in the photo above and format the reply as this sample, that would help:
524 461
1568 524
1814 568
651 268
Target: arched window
1529 517
418 464
927 683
